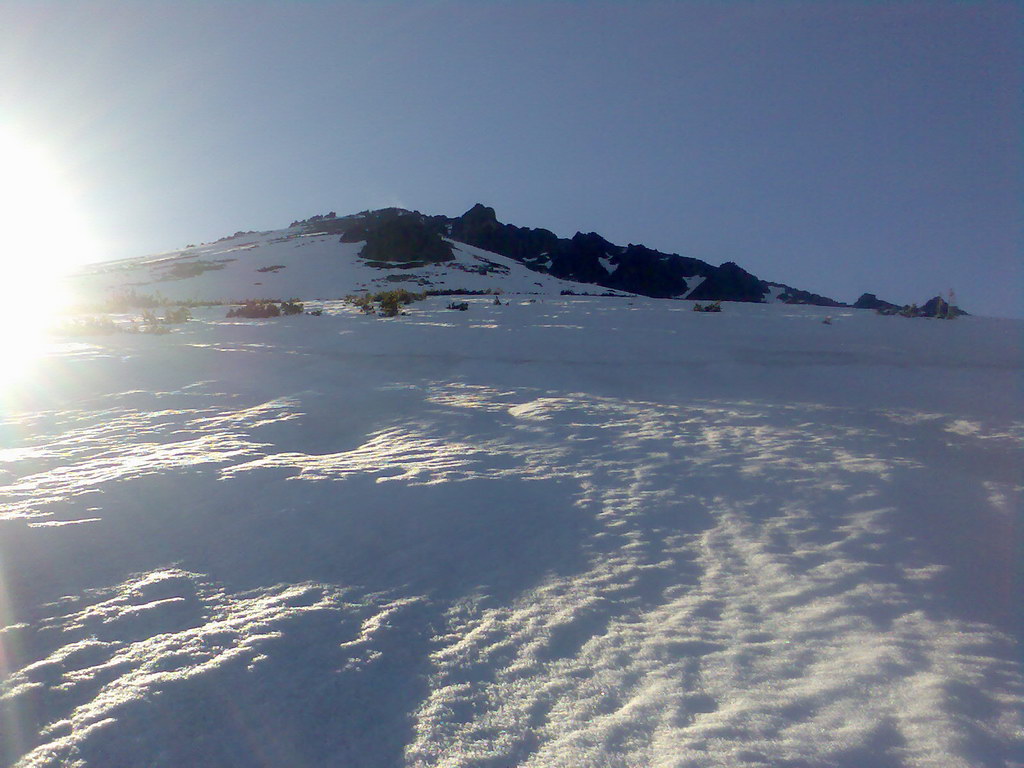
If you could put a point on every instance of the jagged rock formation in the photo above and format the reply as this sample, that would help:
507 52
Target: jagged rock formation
396 235
790 295
870 301
730 282
939 307
934 307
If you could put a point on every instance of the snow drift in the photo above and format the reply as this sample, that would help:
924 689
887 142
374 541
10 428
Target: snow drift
562 531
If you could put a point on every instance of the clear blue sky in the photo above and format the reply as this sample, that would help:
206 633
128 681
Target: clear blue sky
837 147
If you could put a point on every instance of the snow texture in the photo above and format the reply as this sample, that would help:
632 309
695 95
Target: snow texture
570 531
283 264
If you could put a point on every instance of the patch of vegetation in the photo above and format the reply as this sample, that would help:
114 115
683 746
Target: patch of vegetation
570 292
255 309
176 316
258 309
384 303
390 306
364 303
462 292
150 322
715 306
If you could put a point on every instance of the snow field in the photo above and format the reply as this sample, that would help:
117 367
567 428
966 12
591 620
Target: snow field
306 266
573 532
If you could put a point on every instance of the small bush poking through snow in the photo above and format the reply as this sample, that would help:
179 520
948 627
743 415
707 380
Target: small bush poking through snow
255 310
263 308
390 305
177 315
363 303
390 302
150 322
715 306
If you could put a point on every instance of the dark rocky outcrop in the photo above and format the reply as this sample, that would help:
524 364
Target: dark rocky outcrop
939 307
396 237
934 307
585 258
393 235
790 295
870 301
730 282
589 258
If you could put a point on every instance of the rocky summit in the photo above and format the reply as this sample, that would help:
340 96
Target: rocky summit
393 234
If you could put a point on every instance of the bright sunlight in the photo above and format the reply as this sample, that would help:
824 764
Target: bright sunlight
44 236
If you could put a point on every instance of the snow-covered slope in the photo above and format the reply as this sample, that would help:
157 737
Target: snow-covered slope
559 532
288 263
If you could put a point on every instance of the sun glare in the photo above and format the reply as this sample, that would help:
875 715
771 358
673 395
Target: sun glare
43 236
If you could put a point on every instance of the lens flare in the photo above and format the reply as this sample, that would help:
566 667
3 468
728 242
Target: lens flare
43 236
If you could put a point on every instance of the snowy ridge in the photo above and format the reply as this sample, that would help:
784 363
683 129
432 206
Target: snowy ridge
569 531
291 263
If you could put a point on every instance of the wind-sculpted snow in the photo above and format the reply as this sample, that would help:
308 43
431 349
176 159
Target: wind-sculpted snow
578 533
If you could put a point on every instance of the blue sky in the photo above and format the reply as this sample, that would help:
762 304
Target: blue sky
837 147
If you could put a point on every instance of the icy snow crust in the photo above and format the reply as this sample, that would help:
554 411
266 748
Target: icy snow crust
568 532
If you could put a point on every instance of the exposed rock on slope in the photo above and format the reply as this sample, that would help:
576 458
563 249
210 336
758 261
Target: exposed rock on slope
730 282
934 307
400 238
790 295
585 257
589 258
394 238
870 301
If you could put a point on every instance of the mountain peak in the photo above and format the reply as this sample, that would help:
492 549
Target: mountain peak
480 213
